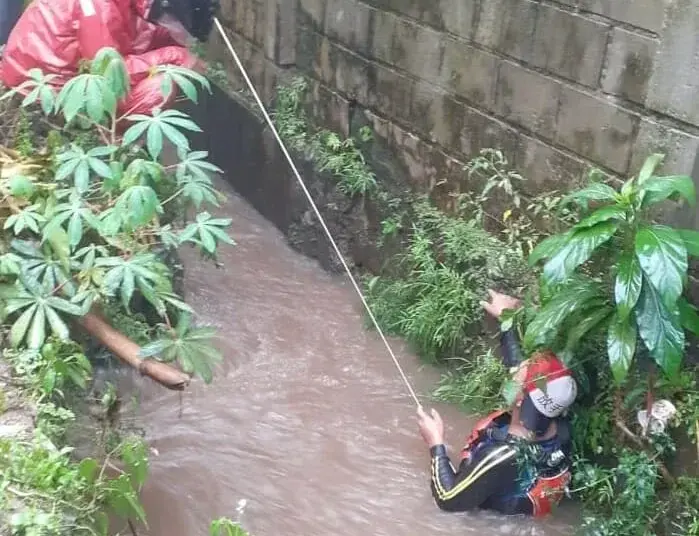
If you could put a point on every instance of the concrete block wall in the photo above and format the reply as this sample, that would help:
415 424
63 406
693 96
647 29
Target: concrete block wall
558 85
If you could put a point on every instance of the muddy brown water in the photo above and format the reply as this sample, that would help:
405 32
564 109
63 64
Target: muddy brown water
307 422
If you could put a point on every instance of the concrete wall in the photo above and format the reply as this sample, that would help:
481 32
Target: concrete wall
557 85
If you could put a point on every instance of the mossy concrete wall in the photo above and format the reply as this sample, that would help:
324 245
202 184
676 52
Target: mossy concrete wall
557 85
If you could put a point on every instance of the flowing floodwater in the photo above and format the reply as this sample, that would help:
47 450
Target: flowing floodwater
307 420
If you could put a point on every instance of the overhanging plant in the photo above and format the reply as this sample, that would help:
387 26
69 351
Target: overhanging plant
619 271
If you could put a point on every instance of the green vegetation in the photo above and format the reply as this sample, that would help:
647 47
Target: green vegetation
610 298
341 158
90 217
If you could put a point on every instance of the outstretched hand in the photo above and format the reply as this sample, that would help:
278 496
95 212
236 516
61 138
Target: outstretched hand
499 303
431 427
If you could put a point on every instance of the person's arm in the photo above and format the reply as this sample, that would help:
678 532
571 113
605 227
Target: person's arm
511 351
476 479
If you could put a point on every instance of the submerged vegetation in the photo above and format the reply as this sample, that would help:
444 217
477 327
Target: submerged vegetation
94 203
603 284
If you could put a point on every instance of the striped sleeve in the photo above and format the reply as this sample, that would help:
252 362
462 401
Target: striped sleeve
475 481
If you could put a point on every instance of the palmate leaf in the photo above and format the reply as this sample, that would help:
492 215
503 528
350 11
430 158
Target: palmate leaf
166 124
138 204
189 346
207 232
195 164
88 93
125 275
80 164
184 79
663 258
109 64
578 295
160 298
75 212
37 88
627 287
660 328
40 307
621 346
576 250
28 218
40 265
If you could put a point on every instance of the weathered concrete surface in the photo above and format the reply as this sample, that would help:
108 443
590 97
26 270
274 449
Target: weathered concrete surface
560 86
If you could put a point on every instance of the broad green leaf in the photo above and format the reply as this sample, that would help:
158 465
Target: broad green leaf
628 283
657 189
577 250
594 192
589 322
688 316
660 328
649 166
691 241
87 469
548 247
621 347
611 212
663 258
576 296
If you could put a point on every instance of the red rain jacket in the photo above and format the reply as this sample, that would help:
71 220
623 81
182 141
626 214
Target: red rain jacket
55 35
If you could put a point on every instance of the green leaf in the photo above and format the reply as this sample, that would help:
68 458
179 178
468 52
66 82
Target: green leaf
621 347
628 283
21 325
691 241
663 258
21 187
587 324
688 316
594 192
37 331
660 328
659 189
649 166
87 469
548 247
611 212
577 250
574 297
138 204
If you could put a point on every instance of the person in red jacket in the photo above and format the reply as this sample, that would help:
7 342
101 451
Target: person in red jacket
57 35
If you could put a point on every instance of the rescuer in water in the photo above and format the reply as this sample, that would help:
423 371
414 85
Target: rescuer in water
515 461
56 36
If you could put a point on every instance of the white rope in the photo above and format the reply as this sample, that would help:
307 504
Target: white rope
315 208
